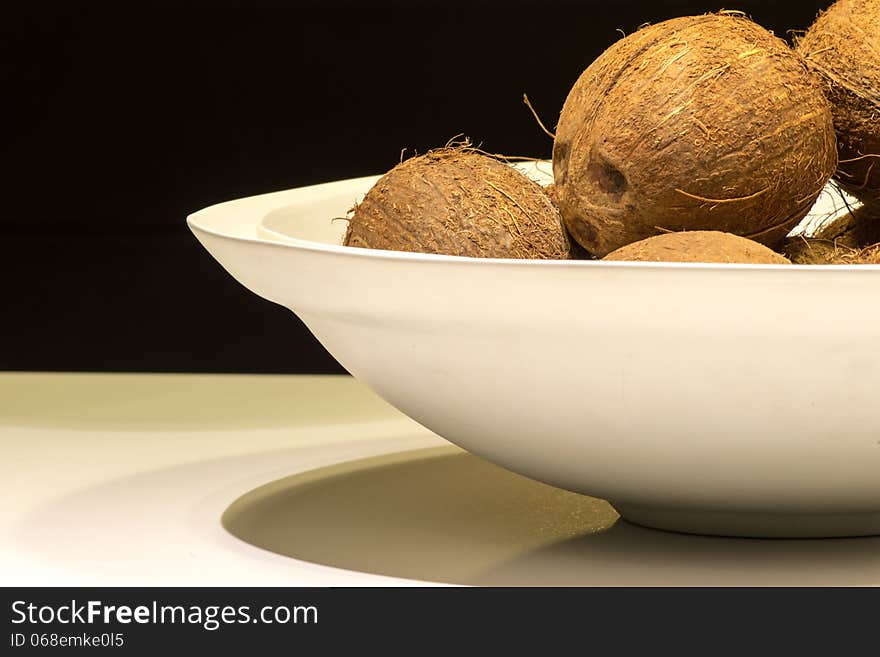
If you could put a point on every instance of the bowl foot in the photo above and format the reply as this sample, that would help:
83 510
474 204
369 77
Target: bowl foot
753 525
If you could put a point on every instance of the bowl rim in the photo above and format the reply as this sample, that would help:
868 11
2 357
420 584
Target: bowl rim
295 244
254 217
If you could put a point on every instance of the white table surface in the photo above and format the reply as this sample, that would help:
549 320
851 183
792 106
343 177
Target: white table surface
122 480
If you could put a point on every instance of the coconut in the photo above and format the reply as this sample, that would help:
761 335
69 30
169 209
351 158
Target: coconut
697 123
456 201
843 46
698 246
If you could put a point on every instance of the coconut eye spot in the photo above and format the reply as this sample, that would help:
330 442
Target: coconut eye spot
608 178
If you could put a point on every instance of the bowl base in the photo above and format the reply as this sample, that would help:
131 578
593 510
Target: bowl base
754 525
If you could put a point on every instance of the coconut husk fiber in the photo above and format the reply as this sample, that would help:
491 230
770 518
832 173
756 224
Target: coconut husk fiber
812 251
457 201
843 47
696 123
698 246
849 239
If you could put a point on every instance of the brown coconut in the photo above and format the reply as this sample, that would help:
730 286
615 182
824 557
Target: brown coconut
455 201
843 46
697 123
698 246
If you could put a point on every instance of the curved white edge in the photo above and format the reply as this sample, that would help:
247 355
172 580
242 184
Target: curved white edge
239 220
295 245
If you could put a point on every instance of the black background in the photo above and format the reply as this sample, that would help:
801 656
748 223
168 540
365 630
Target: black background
121 120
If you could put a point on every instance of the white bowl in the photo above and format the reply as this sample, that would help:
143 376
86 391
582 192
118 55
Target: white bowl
719 399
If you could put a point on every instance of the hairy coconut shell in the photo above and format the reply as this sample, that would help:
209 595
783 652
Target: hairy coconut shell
812 251
843 46
868 256
698 246
697 123
455 201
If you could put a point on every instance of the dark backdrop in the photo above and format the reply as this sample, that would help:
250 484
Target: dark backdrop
125 119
